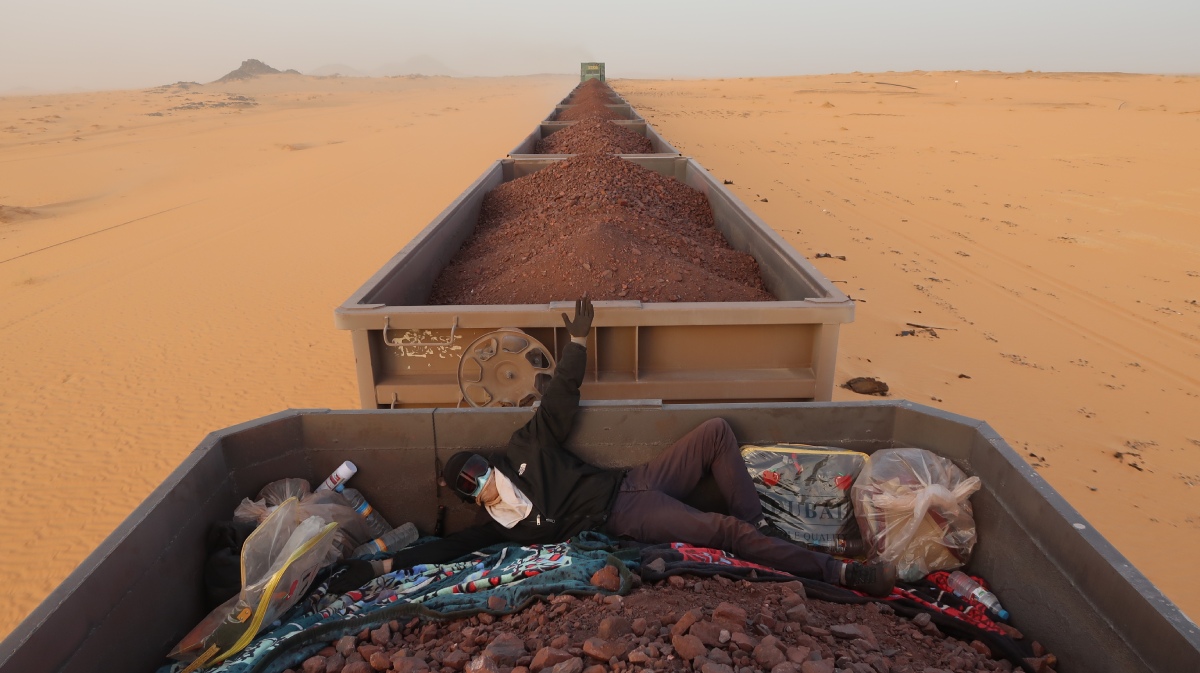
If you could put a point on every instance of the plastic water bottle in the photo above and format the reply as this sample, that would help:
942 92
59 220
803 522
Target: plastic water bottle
396 539
966 587
376 524
339 476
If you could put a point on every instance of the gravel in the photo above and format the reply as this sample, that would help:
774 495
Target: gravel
589 102
594 136
591 91
597 224
663 628
587 110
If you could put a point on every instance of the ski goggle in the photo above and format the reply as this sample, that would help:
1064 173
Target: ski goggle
472 476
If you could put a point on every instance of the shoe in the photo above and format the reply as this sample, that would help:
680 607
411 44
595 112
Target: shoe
771 529
874 579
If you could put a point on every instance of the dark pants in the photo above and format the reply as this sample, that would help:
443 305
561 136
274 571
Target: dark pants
648 506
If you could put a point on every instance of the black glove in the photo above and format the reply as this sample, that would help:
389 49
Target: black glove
582 324
350 575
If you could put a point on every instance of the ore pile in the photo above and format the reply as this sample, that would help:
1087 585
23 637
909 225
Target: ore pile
587 110
600 225
592 90
589 101
594 136
709 625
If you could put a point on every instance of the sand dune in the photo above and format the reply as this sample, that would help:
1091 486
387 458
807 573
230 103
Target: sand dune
192 240
1045 226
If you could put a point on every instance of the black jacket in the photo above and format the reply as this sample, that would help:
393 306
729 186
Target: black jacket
568 495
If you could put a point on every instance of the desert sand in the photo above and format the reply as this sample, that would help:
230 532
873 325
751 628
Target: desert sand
170 259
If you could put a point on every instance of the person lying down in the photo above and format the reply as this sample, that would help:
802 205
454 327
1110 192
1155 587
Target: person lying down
541 493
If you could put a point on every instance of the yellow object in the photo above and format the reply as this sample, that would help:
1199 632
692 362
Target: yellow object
279 561
202 660
273 581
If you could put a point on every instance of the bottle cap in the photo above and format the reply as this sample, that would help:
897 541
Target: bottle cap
1002 614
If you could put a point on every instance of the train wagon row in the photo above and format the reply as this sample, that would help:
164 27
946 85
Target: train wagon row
408 351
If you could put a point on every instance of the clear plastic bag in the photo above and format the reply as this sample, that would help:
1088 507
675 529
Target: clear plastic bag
279 561
270 497
278 492
327 504
805 492
914 510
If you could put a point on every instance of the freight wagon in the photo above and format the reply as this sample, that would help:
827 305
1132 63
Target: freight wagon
621 110
526 149
140 591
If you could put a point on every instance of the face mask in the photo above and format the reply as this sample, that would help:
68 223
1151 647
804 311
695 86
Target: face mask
469 480
482 481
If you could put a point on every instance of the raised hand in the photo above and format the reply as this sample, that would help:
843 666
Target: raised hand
582 324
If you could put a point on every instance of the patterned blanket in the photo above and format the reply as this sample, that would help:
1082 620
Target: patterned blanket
519 575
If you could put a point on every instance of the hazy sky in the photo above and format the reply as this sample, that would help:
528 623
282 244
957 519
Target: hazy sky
63 44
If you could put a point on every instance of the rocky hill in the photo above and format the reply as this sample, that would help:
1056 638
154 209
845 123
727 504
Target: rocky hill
252 68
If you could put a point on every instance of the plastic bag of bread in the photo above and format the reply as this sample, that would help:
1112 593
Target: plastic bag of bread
913 508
